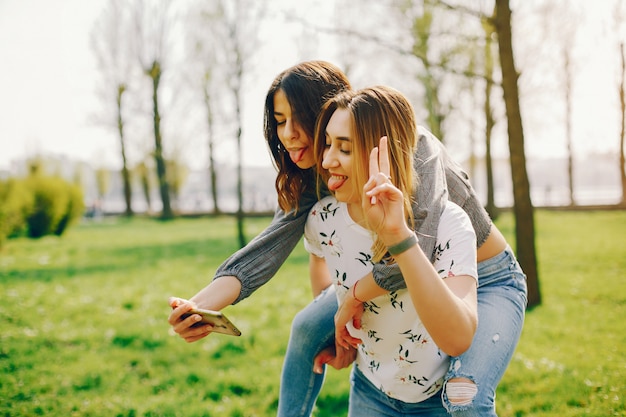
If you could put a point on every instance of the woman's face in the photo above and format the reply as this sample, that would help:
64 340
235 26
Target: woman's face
290 133
338 158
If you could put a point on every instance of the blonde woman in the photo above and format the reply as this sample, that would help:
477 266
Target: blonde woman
405 337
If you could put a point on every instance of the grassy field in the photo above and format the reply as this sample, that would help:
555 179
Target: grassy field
83 328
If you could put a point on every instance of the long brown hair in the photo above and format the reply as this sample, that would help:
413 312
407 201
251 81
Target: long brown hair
307 86
375 112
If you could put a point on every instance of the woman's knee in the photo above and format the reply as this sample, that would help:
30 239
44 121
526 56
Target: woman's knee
460 391
463 398
317 317
304 323
311 330
468 391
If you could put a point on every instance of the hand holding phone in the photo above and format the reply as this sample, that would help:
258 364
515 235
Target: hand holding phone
220 323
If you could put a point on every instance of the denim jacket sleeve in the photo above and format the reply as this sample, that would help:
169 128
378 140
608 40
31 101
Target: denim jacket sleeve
429 202
258 261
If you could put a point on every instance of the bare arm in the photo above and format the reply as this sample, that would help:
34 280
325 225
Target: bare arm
431 196
215 296
318 272
453 331
335 356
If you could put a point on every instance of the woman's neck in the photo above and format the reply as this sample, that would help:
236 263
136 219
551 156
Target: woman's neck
356 213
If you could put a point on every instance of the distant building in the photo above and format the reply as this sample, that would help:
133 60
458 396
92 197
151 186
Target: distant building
596 182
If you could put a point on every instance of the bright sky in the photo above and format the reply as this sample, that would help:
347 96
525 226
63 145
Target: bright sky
48 76
46 83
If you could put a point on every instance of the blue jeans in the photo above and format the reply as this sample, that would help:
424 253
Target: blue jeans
502 298
312 330
366 400
501 305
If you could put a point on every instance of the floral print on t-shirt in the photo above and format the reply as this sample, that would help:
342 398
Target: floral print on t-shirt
397 354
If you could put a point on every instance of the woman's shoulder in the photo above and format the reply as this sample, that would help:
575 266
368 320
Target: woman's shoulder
325 207
456 243
454 217
327 201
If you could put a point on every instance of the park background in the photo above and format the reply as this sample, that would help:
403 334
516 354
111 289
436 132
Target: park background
84 332
58 100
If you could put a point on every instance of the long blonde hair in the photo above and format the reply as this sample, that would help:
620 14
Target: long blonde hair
375 112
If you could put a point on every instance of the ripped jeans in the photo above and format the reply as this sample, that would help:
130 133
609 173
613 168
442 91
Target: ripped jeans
502 296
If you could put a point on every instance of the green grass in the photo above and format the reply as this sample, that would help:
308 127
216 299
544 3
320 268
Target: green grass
571 360
83 328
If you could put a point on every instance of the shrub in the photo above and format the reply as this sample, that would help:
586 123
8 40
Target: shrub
74 210
38 205
15 205
49 206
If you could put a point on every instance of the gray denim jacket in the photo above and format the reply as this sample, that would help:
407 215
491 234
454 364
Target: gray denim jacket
439 178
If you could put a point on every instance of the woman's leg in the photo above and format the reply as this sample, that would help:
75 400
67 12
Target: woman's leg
312 330
471 382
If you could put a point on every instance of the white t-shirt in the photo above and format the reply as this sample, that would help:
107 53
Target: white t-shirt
397 354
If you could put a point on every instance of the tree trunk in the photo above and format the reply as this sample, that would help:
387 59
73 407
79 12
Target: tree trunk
212 170
622 100
491 207
235 83
125 172
237 91
431 99
144 178
568 125
155 75
240 215
421 38
524 216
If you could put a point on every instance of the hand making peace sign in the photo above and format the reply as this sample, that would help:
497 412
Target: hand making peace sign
383 203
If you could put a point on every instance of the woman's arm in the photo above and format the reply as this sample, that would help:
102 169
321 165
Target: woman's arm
431 197
244 272
257 262
215 296
383 206
318 272
431 295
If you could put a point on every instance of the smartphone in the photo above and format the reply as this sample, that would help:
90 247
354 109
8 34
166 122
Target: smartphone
221 324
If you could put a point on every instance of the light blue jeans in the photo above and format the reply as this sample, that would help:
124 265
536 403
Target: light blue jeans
312 330
366 400
502 297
